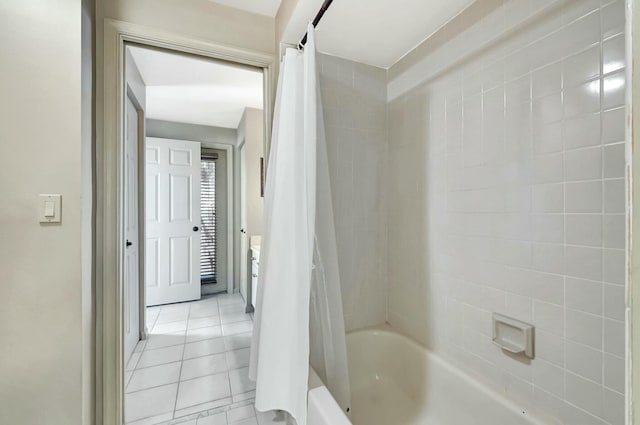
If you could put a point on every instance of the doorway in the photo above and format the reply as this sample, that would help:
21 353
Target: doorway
186 328
216 212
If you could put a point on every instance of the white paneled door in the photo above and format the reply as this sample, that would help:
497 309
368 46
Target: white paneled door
131 251
172 270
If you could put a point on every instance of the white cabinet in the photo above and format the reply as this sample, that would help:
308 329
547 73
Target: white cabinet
254 251
255 265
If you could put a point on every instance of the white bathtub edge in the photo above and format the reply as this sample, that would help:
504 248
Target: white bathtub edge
324 410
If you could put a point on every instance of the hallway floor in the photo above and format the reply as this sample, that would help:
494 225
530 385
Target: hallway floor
193 367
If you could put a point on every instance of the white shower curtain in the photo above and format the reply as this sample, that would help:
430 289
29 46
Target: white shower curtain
298 315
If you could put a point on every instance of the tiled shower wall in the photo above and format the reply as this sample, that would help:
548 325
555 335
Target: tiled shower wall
354 102
506 194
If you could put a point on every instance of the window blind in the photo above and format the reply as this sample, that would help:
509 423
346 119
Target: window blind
208 218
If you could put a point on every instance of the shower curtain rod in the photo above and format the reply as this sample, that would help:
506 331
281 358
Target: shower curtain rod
316 20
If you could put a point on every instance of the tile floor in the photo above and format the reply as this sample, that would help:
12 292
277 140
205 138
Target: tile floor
193 367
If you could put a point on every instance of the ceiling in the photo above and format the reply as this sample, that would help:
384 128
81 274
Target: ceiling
375 32
191 90
262 7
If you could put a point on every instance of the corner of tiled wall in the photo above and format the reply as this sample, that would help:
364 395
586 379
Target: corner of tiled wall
354 105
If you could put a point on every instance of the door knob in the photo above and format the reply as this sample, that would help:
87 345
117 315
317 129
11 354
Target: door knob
128 243
196 228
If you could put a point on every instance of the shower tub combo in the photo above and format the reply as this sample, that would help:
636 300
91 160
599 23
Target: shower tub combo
395 381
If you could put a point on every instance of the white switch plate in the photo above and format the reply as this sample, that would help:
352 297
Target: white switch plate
46 214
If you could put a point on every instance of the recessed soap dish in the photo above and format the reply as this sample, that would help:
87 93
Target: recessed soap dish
512 335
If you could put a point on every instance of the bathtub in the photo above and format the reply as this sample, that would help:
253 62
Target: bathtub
395 381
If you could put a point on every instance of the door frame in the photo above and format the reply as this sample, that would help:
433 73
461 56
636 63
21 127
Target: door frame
109 187
230 211
632 193
243 258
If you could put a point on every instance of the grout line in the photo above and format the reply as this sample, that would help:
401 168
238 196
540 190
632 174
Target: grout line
175 404
179 381
155 386
603 200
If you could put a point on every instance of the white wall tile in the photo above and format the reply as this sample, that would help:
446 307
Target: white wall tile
584 361
585 394
548 258
583 164
549 377
548 137
355 107
614 266
613 90
614 306
584 295
613 19
585 7
550 347
547 80
582 33
614 337
584 229
582 66
507 172
613 125
582 99
583 262
547 168
582 131
613 54
614 231
518 91
548 228
584 328
548 198
614 161
547 109
548 317
583 197
614 373
614 196
519 306
614 411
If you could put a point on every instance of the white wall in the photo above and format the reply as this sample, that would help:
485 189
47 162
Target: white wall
251 131
201 19
202 133
134 81
354 104
45 316
507 195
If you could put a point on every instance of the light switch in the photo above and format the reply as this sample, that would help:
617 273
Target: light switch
49 208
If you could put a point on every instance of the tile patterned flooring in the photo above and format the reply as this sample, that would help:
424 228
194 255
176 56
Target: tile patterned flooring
192 369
